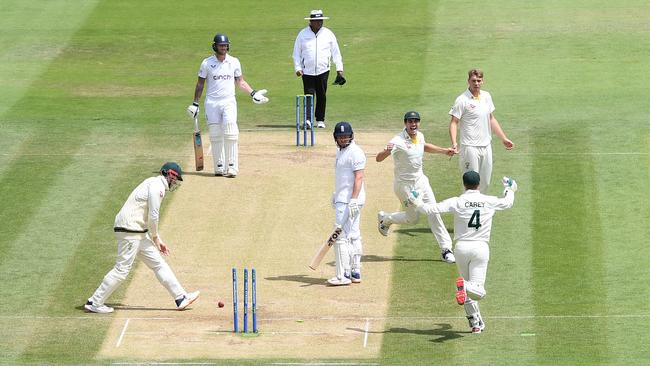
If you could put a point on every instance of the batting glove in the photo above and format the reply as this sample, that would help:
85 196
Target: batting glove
509 183
193 110
258 96
353 207
340 80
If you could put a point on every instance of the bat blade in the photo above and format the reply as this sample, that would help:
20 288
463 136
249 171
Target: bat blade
198 147
320 254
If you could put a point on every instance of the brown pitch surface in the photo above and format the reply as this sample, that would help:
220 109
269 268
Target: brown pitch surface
272 217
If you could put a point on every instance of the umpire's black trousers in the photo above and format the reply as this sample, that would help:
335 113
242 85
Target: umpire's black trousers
317 85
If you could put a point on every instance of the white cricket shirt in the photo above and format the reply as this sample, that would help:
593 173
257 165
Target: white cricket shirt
141 211
473 212
348 161
312 51
474 117
220 76
407 156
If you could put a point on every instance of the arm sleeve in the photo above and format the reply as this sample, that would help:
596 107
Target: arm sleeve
456 110
156 194
203 73
447 205
297 54
505 202
336 54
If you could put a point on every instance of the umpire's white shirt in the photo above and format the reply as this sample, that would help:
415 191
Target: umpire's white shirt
407 155
473 212
141 211
220 76
474 116
312 51
348 161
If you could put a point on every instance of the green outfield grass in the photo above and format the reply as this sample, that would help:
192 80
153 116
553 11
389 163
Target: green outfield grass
93 97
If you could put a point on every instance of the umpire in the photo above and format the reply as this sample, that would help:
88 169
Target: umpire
312 51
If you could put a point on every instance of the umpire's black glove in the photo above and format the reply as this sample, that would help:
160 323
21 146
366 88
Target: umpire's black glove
340 80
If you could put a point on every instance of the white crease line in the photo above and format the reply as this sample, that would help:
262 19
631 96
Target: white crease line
365 334
163 363
325 363
126 325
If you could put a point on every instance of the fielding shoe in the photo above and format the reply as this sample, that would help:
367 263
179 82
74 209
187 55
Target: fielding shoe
220 171
382 225
355 277
335 281
461 295
320 124
448 256
100 309
307 125
186 300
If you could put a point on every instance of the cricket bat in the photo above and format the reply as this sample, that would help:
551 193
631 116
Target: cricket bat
320 254
198 146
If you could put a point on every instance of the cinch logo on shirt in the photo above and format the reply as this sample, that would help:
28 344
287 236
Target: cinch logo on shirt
221 77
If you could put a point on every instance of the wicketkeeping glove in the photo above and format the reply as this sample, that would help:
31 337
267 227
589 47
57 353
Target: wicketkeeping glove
340 80
258 96
509 183
353 207
193 110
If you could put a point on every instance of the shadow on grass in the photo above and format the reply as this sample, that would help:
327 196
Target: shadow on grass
443 333
398 258
415 230
308 281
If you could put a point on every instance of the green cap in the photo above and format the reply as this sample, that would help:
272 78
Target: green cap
411 115
471 178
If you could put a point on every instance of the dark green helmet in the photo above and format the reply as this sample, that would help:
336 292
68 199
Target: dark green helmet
171 168
411 115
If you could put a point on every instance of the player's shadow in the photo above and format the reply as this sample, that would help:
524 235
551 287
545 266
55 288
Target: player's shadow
308 281
277 126
397 258
415 230
124 307
442 334
200 174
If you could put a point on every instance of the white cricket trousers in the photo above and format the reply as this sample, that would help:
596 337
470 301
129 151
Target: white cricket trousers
411 216
349 249
128 247
221 115
478 159
472 259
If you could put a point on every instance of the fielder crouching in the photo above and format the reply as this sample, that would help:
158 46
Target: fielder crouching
348 200
136 231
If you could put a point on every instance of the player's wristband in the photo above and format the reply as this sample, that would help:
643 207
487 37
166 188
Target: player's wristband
253 92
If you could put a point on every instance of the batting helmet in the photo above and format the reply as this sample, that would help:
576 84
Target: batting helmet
411 115
171 168
343 129
220 39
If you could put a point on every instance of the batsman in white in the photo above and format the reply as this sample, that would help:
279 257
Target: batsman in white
222 71
473 212
348 200
137 234
408 148
474 112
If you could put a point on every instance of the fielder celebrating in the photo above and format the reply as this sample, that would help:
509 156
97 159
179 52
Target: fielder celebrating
348 200
136 230
474 112
473 212
408 148
222 71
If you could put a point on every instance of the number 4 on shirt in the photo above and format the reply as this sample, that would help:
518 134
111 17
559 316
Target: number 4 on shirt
475 220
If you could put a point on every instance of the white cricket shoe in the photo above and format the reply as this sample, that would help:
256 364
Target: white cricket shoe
187 300
448 256
100 309
231 172
381 224
335 281
320 124
355 277
220 171
307 124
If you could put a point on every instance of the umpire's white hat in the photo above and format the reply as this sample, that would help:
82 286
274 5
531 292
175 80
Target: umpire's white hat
316 15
